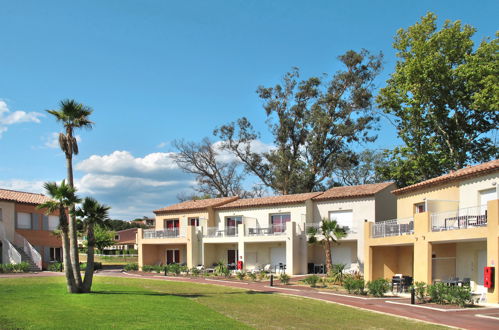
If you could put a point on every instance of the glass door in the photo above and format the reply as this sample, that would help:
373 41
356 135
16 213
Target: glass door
231 224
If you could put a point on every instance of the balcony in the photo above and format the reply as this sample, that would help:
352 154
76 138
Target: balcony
317 226
217 232
470 217
279 229
394 227
165 233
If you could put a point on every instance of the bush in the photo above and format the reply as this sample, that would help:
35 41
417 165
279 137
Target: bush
222 270
148 268
336 276
262 275
312 280
56 267
444 294
419 291
131 267
240 275
354 285
195 271
97 265
378 287
284 278
22 267
252 276
174 269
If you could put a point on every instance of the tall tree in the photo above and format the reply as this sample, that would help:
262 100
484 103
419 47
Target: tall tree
314 123
444 97
326 235
364 171
63 197
92 213
72 115
215 176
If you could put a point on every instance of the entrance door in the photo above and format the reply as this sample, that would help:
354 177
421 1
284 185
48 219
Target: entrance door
482 262
278 256
231 224
172 256
231 259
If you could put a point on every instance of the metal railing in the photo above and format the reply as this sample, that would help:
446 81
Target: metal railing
30 251
279 229
164 233
469 217
225 232
393 227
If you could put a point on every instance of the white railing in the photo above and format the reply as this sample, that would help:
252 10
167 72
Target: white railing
217 232
278 229
394 227
165 233
30 251
317 226
469 217
13 256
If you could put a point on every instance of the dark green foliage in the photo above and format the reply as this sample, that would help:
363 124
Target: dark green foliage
97 265
443 99
240 275
354 285
312 280
221 269
420 291
22 267
131 267
284 278
252 276
378 287
195 271
55 267
441 293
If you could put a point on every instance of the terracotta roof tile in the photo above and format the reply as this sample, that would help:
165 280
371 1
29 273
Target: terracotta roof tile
196 204
22 197
464 173
353 191
272 200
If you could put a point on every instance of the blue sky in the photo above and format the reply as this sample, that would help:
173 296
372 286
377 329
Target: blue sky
155 71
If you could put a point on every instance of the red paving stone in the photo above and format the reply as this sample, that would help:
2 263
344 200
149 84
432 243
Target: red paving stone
466 319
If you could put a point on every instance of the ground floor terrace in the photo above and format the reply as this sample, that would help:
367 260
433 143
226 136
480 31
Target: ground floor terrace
163 254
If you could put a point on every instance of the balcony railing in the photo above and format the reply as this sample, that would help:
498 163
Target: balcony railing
279 229
464 218
165 233
217 232
394 227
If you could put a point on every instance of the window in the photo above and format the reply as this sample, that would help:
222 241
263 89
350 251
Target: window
23 220
231 224
172 256
55 254
194 222
278 222
116 237
171 224
419 208
53 222
343 218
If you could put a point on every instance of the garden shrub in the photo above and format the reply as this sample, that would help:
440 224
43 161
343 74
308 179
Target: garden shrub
240 275
284 278
444 294
22 267
56 267
174 269
131 266
419 291
378 287
148 268
195 271
312 280
222 270
354 285
262 275
252 276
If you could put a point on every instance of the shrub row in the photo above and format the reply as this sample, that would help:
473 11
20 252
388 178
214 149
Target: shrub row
443 294
376 288
174 269
131 267
22 267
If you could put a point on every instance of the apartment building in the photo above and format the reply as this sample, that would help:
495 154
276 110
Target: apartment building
267 232
26 233
446 228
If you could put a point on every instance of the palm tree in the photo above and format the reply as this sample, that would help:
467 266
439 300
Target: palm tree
91 213
72 115
63 197
327 234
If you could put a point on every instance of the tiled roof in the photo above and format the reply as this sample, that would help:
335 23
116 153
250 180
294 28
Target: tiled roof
353 191
196 204
464 173
22 197
272 200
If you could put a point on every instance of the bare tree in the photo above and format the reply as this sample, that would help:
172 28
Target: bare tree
214 175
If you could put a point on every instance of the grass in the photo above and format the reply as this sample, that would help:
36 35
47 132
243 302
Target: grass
141 303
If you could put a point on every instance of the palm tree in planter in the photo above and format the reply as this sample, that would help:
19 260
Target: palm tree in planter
327 234
72 115
92 214
63 197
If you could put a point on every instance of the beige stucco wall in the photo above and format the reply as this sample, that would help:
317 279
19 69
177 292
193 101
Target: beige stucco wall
261 215
155 254
260 253
467 261
160 218
386 204
405 202
469 190
214 253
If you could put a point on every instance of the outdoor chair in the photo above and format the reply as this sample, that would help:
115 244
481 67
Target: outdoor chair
267 268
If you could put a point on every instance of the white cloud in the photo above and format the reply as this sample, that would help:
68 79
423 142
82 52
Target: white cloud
227 156
35 186
162 145
8 117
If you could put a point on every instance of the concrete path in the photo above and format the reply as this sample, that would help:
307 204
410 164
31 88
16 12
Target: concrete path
479 318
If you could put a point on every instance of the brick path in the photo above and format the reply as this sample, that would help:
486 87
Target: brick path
480 318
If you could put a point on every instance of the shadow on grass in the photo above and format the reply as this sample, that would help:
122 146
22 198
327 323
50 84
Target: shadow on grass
142 293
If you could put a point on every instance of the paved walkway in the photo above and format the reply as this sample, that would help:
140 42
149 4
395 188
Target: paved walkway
480 318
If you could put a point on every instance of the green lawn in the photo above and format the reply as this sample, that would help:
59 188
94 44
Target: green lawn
119 260
138 303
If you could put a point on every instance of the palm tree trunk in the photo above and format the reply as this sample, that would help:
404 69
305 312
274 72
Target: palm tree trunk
327 250
73 239
89 272
68 270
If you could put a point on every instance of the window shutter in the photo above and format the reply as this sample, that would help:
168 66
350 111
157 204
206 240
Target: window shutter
35 221
15 219
46 253
45 222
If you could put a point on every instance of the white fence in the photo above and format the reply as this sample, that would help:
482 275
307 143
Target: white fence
165 233
230 231
469 217
278 229
394 227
